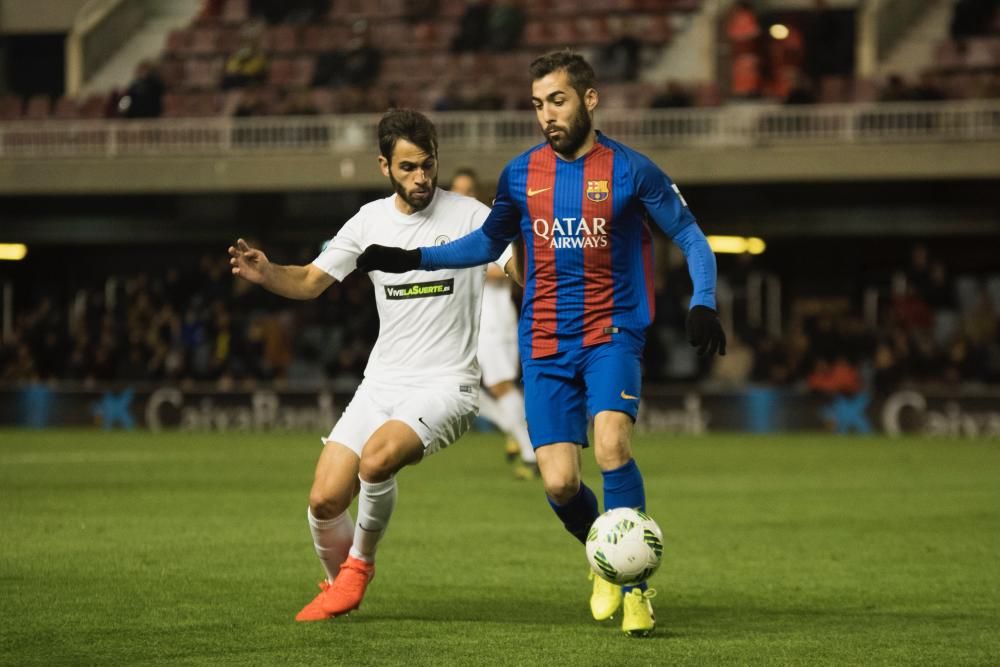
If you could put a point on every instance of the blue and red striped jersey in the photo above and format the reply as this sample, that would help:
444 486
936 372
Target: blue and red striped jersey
588 249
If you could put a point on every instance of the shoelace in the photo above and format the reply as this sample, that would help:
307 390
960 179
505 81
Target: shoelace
648 594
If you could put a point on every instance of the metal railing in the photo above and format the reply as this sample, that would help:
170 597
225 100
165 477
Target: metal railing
732 126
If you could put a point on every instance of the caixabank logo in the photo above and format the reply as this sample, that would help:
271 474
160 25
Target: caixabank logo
420 290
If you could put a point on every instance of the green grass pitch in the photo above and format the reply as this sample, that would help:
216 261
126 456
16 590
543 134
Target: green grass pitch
132 548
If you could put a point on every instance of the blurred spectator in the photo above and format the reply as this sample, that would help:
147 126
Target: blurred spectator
305 11
673 96
487 96
251 102
928 89
506 21
451 98
828 44
421 11
362 61
972 17
802 92
291 11
473 28
295 103
358 64
839 377
895 90
144 96
210 10
785 55
248 64
620 59
744 35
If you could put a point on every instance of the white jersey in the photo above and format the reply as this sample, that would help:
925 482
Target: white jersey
499 312
428 320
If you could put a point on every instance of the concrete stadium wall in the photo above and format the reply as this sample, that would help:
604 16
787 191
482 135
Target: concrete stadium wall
348 171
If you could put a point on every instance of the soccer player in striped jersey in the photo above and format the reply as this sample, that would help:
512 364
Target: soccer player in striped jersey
582 203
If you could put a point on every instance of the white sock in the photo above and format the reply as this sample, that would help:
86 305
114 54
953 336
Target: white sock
512 404
332 539
375 504
490 409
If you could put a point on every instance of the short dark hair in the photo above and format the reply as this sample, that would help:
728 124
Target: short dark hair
406 124
581 74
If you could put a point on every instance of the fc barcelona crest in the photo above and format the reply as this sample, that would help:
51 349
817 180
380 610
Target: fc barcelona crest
597 190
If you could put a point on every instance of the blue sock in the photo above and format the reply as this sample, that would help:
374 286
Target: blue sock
623 487
579 513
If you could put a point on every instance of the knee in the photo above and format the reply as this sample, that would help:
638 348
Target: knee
613 455
325 506
377 465
561 488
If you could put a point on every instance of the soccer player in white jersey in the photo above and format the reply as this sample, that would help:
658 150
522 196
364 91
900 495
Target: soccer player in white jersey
502 402
421 385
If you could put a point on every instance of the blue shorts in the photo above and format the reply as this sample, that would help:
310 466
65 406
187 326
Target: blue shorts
562 392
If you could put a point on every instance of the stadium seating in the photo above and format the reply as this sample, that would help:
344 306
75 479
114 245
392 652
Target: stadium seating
416 53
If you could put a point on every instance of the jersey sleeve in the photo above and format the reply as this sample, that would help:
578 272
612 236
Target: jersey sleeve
660 197
666 206
479 217
483 245
340 255
504 220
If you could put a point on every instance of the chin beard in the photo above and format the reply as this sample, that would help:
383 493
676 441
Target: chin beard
575 136
413 203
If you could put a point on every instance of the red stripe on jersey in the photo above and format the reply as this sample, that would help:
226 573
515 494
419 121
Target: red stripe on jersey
647 267
541 204
599 288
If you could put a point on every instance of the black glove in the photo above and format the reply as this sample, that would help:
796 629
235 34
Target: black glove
388 259
704 331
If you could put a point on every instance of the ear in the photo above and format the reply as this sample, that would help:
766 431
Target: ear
383 165
590 99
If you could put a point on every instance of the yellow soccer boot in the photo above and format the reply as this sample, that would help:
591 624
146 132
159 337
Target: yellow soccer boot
604 599
638 619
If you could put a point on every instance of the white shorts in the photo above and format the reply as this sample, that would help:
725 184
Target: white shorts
498 359
439 415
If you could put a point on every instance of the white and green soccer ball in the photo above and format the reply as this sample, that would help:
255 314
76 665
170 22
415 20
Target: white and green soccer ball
624 546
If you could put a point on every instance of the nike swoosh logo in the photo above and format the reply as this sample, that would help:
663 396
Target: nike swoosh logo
532 193
421 420
629 397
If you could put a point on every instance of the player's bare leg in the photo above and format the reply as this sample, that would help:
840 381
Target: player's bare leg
393 446
559 464
623 487
335 484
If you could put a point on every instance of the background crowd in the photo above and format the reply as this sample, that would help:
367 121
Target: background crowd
201 325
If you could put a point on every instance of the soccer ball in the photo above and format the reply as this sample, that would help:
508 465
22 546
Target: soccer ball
624 546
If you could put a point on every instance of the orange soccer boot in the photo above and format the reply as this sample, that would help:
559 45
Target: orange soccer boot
314 610
348 589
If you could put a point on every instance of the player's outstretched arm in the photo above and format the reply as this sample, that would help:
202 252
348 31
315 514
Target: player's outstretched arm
473 249
293 282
